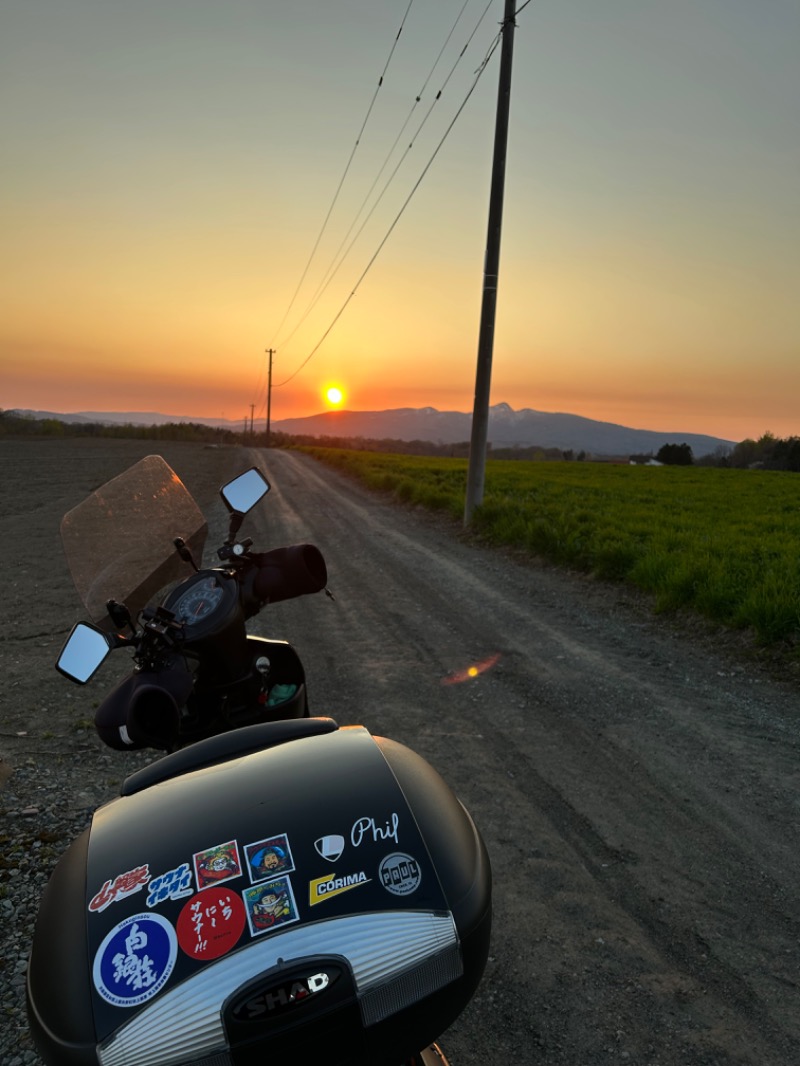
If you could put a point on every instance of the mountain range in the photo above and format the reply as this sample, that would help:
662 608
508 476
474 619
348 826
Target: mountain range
507 428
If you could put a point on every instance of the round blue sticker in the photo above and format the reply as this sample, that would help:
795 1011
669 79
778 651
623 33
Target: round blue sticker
135 960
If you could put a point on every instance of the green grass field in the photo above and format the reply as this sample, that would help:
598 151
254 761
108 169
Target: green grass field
725 543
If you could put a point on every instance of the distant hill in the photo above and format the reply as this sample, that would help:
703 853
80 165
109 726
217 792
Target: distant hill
507 428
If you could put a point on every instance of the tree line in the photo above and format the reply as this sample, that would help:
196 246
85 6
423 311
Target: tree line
767 453
14 425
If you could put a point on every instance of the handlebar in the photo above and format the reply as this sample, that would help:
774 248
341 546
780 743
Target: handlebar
288 572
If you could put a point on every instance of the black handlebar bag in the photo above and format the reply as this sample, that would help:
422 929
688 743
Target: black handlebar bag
286 889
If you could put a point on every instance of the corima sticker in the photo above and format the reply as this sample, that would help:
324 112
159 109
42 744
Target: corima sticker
135 960
323 888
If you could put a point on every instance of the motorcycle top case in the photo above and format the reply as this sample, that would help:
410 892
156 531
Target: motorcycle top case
288 889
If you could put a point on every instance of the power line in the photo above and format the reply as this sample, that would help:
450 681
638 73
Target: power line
346 169
334 266
479 72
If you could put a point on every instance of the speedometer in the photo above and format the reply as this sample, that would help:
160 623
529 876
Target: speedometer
198 601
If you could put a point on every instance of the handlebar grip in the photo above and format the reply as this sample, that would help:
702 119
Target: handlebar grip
288 572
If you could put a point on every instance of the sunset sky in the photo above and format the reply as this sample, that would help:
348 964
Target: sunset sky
169 165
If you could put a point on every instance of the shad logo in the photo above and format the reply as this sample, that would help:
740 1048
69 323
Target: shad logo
284 995
323 888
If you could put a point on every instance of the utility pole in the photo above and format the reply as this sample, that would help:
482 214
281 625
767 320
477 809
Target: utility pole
252 408
270 353
476 472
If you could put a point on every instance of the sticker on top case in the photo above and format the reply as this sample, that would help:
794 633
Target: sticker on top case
270 905
174 884
330 847
123 885
400 874
217 864
268 858
135 960
210 923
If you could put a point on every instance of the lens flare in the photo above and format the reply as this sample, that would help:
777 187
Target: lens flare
472 671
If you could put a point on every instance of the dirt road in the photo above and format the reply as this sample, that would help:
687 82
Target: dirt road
638 792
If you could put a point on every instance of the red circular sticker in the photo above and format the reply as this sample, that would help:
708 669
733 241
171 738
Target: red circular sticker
210 923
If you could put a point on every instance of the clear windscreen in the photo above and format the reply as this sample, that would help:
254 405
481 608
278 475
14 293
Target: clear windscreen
119 542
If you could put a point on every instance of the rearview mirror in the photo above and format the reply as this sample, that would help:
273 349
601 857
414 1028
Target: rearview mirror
85 650
244 492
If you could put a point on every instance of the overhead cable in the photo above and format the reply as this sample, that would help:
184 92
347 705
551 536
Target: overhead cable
344 175
490 52
338 259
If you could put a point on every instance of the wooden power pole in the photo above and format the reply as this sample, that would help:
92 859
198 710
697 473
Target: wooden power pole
270 353
476 472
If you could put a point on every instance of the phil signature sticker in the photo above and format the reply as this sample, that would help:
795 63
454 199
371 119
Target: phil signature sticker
267 858
270 905
135 960
122 885
368 829
217 864
399 874
210 924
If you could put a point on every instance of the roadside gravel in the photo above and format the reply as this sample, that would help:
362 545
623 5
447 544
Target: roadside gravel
637 787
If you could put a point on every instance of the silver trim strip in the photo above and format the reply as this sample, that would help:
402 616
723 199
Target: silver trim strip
185 1023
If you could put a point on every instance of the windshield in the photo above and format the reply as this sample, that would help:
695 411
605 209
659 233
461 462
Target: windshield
119 541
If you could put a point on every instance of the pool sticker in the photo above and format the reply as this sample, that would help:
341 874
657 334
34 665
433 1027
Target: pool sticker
217 864
399 874
122 885
270 905
211 923
175 884
267 858
135 960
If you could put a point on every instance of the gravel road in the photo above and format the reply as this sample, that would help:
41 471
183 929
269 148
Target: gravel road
636 787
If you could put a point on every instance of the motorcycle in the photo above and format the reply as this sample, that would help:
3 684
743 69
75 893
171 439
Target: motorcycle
197 670
275 884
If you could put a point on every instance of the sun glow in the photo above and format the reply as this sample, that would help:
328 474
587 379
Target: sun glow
472 671
334 396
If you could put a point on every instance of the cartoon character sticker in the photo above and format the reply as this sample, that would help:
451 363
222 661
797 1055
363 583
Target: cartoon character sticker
210 924
135 960
217 864
270 905
267 858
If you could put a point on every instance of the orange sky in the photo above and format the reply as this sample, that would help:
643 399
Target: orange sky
169 179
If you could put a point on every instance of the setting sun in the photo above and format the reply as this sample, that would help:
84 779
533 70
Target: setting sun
334 395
